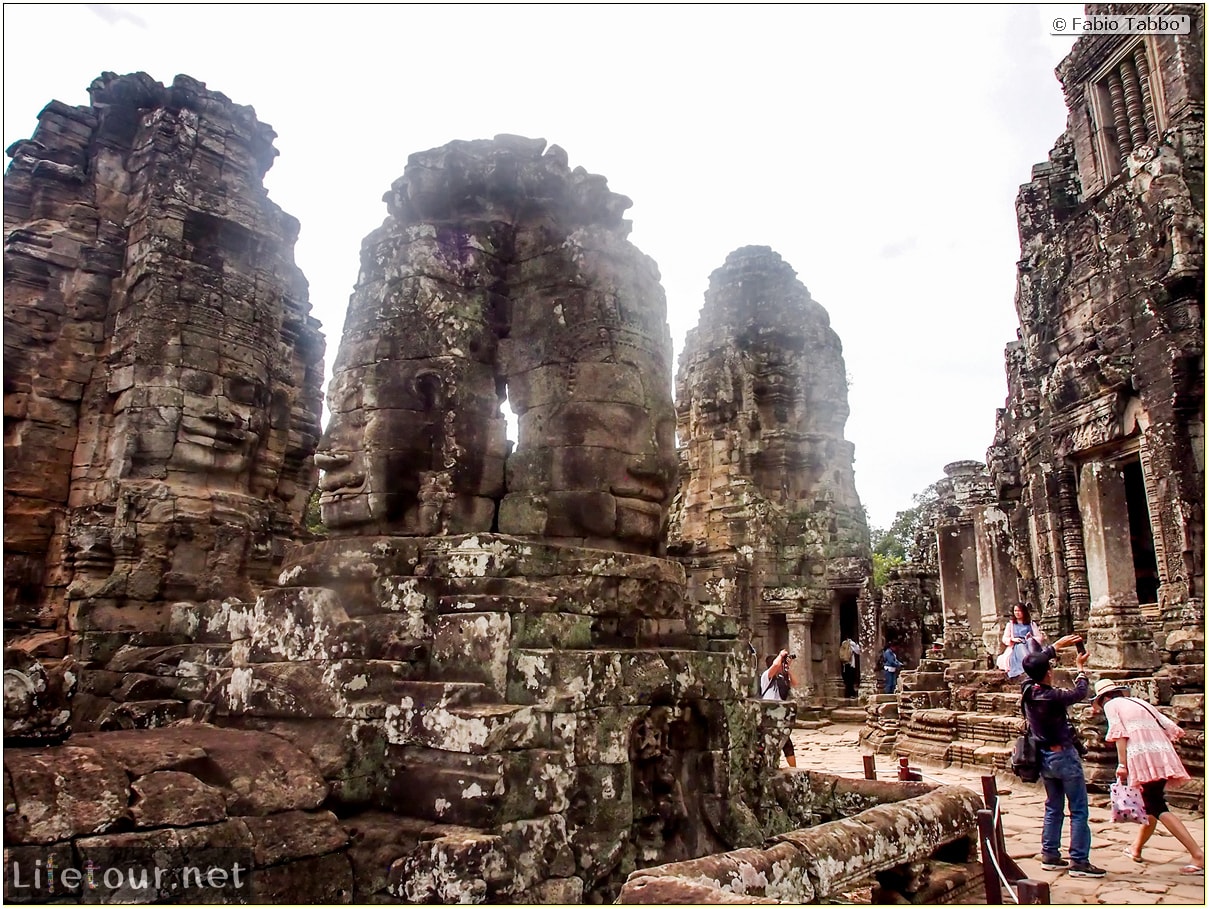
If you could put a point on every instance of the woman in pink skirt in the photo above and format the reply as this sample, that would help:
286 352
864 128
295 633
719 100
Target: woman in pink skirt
1145 756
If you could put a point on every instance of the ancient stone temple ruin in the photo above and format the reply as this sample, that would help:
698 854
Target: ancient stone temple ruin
558 706
1099 454
1093 507
162 395
767 522
1106 381
487 681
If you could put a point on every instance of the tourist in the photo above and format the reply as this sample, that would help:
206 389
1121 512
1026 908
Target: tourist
1021 636
850 668
1146 758
773 690
891 664
1045 708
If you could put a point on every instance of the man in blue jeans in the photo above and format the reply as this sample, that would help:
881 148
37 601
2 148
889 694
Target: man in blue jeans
1045 708
891 664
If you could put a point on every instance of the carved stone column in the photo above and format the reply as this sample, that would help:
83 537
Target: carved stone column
996 576
958 587
800 642
1116 636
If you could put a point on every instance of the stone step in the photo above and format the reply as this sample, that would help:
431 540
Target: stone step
481 790
475 729
811 723
578 679
848 715
487 602
349 689
431 694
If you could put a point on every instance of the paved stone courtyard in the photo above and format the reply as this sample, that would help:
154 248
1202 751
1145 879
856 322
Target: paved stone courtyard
835 748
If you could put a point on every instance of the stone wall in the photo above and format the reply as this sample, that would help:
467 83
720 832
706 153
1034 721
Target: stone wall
565 703
184 814
1099 453
162 380
767 520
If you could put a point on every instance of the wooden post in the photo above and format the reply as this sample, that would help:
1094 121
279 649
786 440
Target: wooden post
1032 893
990 792
870 767
1011 870
986 848
907 773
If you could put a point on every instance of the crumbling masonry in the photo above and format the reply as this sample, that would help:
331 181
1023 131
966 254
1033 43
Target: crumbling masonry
1093 506
487 682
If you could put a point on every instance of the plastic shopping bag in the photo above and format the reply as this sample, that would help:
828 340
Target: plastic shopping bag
1127 804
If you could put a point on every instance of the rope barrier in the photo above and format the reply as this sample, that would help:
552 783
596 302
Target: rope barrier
988 852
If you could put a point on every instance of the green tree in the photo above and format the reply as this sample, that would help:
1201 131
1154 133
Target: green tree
900 541
312 519
881 567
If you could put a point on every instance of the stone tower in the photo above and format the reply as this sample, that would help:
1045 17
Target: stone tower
162 381
767 521
1098 456
499 272
489 646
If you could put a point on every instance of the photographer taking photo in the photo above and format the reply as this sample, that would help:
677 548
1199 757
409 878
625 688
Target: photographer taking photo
775 684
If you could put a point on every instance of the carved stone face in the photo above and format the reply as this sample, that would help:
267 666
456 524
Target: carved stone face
642 481
221 424
88 554
372 461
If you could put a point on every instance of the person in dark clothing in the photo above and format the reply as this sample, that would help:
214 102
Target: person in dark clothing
891 664
1045 708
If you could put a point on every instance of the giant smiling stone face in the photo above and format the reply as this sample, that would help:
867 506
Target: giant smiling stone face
545 302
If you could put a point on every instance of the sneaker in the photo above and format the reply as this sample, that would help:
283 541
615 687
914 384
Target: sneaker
1084 869
1053 863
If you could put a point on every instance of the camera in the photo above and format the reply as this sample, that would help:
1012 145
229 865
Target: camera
1080 647
791 656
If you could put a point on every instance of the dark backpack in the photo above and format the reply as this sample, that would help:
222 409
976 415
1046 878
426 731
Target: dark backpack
781 681
783 685
1025 760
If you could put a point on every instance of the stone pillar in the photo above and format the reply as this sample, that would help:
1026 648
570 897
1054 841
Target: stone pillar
800 642
1116 636
996 575
958 587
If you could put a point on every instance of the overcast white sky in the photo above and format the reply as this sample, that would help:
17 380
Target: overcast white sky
878 149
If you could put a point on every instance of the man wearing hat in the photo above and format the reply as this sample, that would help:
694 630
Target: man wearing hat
1045 709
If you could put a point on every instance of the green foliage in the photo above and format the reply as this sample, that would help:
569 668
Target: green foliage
312 519
898 542
881 567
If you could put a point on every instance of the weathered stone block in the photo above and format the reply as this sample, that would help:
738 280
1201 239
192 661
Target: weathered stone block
291 835
472 646
170 798
26 878
458 868
475 729
323 878
61 793
377 839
